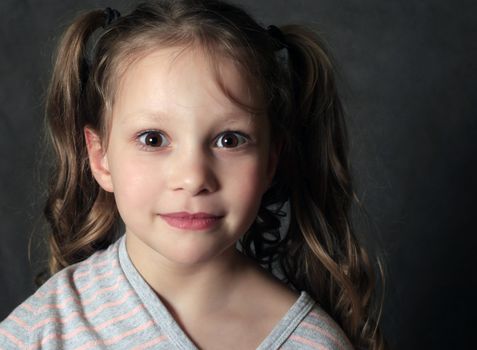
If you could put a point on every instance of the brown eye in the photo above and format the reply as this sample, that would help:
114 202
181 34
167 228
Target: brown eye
230 140
153 139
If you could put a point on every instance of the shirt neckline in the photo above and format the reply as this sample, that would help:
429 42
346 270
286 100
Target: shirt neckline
164 320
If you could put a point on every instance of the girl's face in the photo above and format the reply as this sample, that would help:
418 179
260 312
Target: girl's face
179 145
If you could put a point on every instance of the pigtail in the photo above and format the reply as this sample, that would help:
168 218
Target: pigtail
80 214
322 254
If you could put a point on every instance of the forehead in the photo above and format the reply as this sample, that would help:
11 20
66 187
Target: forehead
178 79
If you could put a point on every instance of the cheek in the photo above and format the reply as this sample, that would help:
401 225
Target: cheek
246 183
134 182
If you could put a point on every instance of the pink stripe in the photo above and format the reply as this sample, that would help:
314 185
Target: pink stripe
332 324
104 324
138 329
308 342
95 279
325 318
43 341
58 306
76 276
65 320
65 302
59 291
80 329
114 287
27 307
119 318
12 338
325 333
117 338
93 267
88 315
107 259
110 304
317 315
150 343
19 321
53 320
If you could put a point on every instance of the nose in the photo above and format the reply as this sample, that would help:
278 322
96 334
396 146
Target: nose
192 170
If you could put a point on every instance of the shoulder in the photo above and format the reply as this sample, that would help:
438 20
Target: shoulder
59 300
319 330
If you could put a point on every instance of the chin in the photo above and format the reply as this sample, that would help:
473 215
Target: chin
194 256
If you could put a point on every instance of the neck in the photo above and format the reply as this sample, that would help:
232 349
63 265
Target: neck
190 289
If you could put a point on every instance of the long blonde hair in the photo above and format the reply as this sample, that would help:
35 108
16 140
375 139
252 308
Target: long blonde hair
319 251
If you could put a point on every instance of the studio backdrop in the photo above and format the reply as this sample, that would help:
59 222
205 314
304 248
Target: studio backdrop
407 75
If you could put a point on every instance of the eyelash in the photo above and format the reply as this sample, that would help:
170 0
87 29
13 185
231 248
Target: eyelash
245 139
142 145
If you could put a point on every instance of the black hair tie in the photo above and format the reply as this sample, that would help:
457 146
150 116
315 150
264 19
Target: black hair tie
278 37
110 15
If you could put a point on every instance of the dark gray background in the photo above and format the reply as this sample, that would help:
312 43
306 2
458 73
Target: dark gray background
408 80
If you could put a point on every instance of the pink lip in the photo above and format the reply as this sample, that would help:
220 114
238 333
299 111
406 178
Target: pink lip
191 221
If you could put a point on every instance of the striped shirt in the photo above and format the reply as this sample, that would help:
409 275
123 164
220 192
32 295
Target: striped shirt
104 303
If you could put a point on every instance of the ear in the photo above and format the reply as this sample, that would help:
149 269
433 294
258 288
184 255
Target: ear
98 159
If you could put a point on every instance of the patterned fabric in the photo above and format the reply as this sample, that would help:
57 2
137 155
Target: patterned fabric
104 303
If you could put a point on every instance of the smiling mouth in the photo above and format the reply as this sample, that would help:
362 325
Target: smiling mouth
191 221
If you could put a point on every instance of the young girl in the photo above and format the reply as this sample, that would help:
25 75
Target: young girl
182 129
